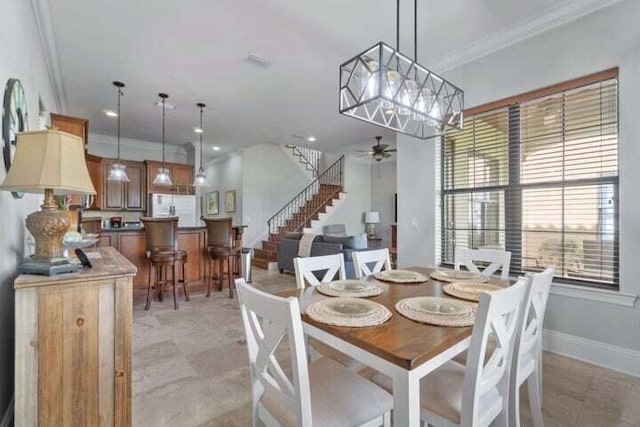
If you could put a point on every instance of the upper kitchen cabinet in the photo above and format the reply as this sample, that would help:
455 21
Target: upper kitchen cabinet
94 166
73 125
181 178
117 195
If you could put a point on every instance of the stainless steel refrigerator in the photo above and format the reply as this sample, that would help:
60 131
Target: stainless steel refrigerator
182 206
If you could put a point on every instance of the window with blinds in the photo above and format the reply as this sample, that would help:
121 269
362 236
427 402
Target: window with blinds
538 176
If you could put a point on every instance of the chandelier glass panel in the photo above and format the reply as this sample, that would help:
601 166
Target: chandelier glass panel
387 88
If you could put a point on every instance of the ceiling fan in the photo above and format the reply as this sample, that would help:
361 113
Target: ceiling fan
379 151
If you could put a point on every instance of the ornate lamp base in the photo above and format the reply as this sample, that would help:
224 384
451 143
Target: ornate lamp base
48 266
48 227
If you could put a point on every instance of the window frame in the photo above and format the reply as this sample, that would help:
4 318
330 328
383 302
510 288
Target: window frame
514 188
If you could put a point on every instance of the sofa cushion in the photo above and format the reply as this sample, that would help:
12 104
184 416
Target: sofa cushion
346 242
291 235
335 230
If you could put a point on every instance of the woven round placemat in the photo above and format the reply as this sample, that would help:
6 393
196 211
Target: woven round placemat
350 312
400 276
406 308
346 288
457 275
469 290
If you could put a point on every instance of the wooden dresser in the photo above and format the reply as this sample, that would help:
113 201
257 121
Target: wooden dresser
73 346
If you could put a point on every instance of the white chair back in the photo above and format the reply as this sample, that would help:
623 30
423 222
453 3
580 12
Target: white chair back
527 360
267 320
488 383
306 267
496 258
362 259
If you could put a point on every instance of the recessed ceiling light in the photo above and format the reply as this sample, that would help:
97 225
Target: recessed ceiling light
110 113
216 148
198 130
311 138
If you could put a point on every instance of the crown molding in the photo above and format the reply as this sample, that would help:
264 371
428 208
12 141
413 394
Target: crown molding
552 18
46 29
95 138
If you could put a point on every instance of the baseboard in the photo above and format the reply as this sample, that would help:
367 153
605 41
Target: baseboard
7 418
606 355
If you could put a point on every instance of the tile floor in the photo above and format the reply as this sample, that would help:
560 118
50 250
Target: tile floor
190 368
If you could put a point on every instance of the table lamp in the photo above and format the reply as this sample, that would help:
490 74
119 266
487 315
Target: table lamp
371 219
49 162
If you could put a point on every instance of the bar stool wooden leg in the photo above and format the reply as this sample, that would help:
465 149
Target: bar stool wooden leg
185 288
175 285
148 304
230 276
209 276
220 275
160 280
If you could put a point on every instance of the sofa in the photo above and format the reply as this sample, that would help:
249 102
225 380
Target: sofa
322 245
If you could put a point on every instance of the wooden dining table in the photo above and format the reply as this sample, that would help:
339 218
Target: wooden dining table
400 348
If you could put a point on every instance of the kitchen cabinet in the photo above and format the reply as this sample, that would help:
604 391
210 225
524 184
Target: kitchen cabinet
73 125
73 345
94 166
132 245
181 178
117 195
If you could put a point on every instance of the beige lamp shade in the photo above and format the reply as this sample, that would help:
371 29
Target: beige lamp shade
49 159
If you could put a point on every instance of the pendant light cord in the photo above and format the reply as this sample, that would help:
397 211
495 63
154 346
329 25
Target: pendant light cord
163 99
201 139
415 30
119 94
398 25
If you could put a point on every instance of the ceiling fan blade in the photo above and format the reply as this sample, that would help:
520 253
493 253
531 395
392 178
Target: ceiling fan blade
386 155
363 155
393 150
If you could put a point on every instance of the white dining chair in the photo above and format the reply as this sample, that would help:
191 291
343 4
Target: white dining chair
320 394
478 394
307 267
496 258
378 259
527 360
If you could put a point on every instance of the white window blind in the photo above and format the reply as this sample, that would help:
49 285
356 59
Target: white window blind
539 178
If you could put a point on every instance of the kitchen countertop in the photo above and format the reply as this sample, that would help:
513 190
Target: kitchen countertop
141 228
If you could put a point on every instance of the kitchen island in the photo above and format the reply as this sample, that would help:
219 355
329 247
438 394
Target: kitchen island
132 243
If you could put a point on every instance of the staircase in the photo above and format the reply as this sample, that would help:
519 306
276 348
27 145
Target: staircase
309 157
302 212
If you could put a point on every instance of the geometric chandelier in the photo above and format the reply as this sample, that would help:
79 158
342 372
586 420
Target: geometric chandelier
384 87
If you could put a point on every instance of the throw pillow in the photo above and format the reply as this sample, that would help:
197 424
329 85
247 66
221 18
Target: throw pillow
360 241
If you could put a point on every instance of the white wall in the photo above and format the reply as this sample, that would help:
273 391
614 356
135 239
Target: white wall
22 58
137 150
593 43
357 185
225 173
383 190
270 179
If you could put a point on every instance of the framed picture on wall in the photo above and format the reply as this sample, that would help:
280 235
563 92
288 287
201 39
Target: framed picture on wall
230 201
211 206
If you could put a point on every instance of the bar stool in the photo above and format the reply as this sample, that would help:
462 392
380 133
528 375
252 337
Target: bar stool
221 247
163 252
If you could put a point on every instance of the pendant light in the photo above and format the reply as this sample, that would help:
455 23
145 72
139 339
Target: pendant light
201 177
162 178
118 171
387 88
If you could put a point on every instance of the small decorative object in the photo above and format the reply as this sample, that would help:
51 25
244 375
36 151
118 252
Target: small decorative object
48 161
438 311
118 170
163 178
14 120
469 290
230 201
350 312
211 203
349 288
457 275
201 177
400 276
371 219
